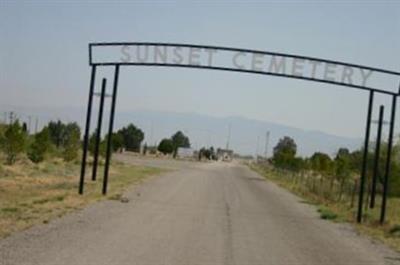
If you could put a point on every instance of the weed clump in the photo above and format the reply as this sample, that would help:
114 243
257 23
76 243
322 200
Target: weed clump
327 214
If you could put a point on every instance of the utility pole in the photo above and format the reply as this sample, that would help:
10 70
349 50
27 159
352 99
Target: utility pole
29 124
229 137
36 124
151 132
11 118
258 142
266 144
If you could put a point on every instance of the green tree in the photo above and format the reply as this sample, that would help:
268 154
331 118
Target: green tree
284 153
13 142
180 140
297 164
92 143
132 137
40 146
321 162
117 141
356 160
24 127
342 168
71 141
394 176
166 146
57 132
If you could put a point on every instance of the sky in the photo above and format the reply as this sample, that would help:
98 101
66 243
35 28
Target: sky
44 56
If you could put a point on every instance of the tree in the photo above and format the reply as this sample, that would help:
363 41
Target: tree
71 143
342 168
117 141
166 146
180 140
40 146
297 164
145 149
92 143
24 127
321 162
57 132
13 142
132 137
284 153
394 173
356 160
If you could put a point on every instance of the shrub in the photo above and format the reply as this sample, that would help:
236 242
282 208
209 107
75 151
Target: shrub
13 142
40 147
327 214
166 146
72 142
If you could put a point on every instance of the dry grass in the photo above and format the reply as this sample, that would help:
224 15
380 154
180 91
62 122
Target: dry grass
389 233
31 194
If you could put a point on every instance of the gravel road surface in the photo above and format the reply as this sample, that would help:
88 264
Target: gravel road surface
202 213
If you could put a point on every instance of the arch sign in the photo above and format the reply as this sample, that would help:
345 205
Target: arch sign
118 54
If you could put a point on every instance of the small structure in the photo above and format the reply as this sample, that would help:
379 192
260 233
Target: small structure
224 154
184 152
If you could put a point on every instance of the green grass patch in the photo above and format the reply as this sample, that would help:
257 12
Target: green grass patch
9 210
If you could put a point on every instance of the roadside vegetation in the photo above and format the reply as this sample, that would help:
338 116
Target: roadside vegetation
332 184
39 173
172 144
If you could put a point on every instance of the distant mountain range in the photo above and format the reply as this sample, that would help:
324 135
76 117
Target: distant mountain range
245 136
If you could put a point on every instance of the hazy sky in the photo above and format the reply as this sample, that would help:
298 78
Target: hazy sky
44 57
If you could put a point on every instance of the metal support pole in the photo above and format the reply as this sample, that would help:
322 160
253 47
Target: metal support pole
365 157
98 130
388 161
110 130
87 129
376 159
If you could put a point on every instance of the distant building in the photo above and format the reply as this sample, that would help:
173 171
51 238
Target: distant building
184 152
224 154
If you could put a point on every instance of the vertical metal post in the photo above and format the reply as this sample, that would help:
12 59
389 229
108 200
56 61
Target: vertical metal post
388 161
376 159
87 129
110 130
365 157
98 130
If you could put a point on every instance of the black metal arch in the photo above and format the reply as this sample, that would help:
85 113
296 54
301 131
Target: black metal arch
240 50
118 64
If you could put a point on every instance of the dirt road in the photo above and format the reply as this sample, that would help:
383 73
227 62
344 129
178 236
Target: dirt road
203 213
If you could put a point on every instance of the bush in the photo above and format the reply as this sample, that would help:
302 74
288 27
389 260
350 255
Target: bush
72 142
327 214
166 146
131 137
13 142
40 147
